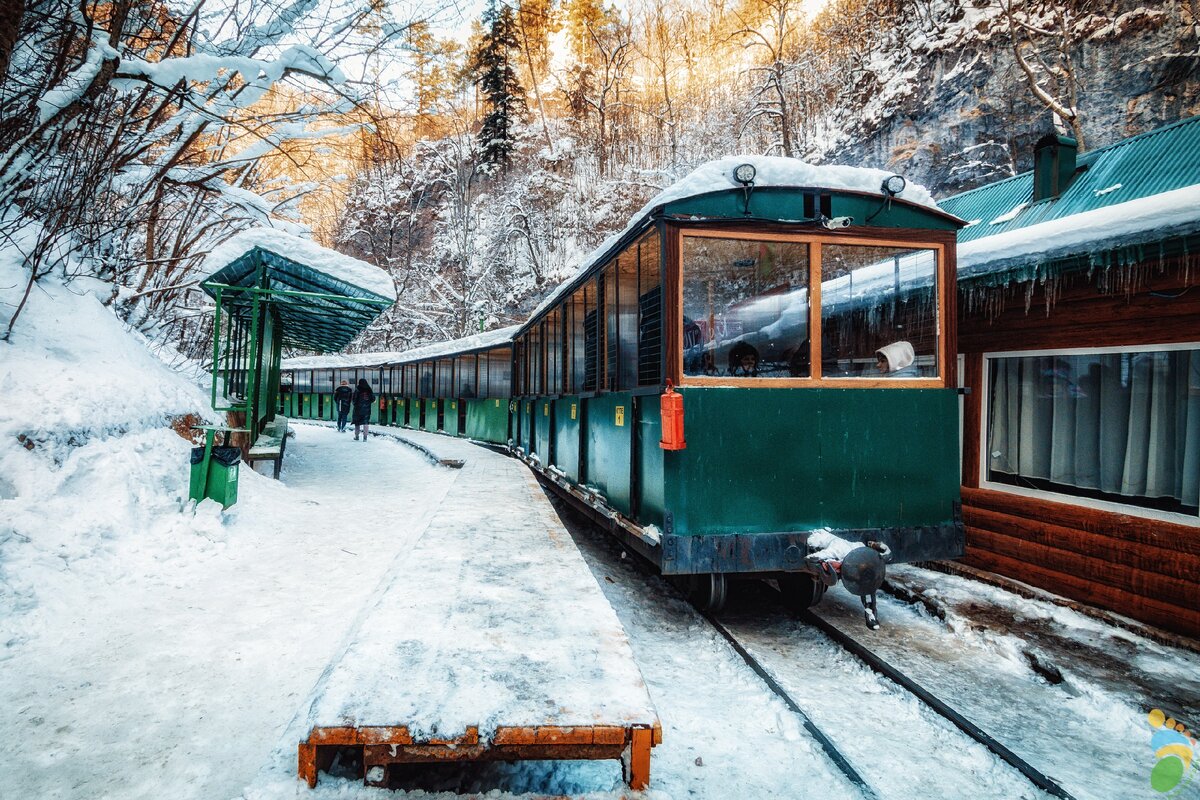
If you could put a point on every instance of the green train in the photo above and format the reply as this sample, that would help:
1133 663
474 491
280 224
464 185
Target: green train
756 377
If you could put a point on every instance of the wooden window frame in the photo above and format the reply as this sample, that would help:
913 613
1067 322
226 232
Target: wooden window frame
920 240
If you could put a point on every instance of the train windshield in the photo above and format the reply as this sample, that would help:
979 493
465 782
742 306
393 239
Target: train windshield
745 307
749 309
878 312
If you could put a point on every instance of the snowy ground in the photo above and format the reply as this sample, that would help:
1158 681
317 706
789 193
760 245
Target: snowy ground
166 661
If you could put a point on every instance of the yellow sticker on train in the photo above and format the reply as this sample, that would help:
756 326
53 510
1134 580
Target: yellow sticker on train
572 411
620 416
545 409
497 404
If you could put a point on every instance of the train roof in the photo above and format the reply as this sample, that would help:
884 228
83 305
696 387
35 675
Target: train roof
711 192
487 340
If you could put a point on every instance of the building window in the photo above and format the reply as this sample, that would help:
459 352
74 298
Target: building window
1120 427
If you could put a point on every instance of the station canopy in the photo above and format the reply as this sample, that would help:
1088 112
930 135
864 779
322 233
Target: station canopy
323 298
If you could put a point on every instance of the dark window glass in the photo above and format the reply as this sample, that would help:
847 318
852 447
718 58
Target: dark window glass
878 312
464 376
1122 427
425 385
445 377
537 359
302 381
410 380
554 352
627 319
649 355
745 307
611 353
591 337
581 354
500 372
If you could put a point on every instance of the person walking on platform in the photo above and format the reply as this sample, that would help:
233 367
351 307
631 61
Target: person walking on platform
364 398
342 396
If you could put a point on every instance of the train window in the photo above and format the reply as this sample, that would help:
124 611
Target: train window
481 372
879 315
649 346
627 319
410 380
425 379
568 333
385 381
444 376
555 353
500 372
464 372
583 339
535 357
745 307
609 355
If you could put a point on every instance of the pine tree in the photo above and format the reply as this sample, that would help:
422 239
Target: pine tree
496 77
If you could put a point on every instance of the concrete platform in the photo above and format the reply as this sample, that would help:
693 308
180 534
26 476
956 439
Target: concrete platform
491 641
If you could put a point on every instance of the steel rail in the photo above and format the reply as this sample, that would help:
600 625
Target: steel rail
861 652
835 755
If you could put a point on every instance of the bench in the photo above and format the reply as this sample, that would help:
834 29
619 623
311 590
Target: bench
270 444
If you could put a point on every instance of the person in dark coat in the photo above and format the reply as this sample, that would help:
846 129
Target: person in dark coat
363 400
342 396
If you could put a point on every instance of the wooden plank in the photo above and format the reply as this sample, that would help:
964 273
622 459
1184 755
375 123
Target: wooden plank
1155 612
1135 555
608 734
515 736
308 764
332 735
1141 582
1126 527
972 419
397 734
639 758
557 735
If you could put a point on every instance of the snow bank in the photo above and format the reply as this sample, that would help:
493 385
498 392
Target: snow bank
73 370
303 251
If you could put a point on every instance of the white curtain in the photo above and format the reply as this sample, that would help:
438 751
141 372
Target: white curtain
1121 424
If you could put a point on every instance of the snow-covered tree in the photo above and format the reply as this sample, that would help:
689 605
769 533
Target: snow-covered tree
493 65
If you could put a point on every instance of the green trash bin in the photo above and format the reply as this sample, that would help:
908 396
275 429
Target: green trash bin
222 483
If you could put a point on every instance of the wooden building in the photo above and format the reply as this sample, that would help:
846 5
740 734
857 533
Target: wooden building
1079 339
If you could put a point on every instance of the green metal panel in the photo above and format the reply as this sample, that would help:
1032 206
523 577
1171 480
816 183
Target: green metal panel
431 414
543 410
651 488
326 409
451 426
780 203
528 429
487 420
566 436
608 447
762 460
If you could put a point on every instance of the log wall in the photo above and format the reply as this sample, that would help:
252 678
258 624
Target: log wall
1140 567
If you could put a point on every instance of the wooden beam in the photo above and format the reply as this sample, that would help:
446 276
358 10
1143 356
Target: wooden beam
639 758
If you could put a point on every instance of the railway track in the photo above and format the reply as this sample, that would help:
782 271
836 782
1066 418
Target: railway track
882 667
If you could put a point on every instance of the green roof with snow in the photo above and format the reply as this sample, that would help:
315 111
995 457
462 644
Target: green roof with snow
323 298
1129 202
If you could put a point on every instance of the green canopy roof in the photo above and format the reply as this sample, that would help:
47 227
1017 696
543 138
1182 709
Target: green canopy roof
318 295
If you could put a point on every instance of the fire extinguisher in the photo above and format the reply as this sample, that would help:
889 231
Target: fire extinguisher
671 408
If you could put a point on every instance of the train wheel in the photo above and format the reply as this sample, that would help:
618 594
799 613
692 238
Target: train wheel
801 591
706 592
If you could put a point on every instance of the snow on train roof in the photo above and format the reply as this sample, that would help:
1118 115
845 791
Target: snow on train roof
480 341
305 252
770 171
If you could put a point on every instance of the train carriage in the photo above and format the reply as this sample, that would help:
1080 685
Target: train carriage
755 377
